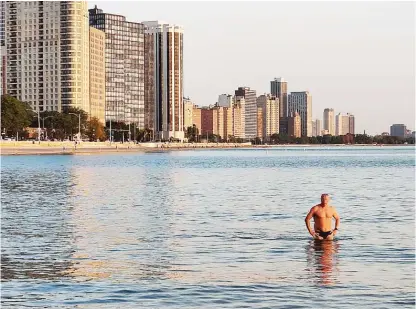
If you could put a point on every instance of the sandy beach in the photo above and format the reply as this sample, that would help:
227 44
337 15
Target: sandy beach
69 148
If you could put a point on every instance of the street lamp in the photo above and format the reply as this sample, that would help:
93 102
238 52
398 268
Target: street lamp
43 124
79 124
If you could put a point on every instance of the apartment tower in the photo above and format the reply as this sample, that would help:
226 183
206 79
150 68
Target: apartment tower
164 79
329 120
270 115
301 102
278 88
97 74
124 66
250 110
47 53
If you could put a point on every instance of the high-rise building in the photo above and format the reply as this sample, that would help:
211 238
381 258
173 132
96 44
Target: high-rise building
270 115
278 88
250 116
209 121
398 130
344 124
188 108
221 121
196 117
316 128
97 74
301 102
338 124
230 123
294 125
3 51
329 120
351 123
225 100
164 79
260 130
239 118
124 65
48 53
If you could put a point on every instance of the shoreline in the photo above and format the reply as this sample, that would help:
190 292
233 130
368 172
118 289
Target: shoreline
88 148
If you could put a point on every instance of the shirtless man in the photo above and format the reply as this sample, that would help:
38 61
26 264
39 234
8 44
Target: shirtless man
322 216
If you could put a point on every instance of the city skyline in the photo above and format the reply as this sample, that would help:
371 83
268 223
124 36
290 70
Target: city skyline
347 66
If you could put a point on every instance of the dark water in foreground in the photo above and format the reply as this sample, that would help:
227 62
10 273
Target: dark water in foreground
207 229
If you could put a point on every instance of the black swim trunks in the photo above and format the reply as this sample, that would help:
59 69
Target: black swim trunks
324 235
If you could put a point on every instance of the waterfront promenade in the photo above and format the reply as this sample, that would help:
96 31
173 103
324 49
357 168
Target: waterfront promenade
45 147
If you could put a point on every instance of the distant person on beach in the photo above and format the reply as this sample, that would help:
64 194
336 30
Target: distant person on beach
322 215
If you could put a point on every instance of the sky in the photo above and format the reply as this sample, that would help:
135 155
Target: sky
354 57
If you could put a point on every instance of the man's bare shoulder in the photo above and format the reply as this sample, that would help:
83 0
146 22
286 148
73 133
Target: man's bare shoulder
315 208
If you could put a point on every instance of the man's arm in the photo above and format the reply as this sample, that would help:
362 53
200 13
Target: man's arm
337 221
308 218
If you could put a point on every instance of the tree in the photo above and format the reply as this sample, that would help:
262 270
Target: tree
95 130
15 115
192 133
71 122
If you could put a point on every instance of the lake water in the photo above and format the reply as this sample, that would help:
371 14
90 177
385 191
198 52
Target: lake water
208 229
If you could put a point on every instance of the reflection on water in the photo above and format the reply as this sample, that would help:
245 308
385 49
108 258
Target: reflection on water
323 260
206 229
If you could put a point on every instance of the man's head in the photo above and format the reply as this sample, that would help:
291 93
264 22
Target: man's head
325 199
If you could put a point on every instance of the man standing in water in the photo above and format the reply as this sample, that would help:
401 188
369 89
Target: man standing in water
322 216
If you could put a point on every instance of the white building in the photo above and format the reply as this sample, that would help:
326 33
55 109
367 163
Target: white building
301 102
344 124
270 115
338 124
164 79
225 100
329 120
316 128
48 53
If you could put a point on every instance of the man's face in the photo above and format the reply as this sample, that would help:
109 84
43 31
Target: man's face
325 199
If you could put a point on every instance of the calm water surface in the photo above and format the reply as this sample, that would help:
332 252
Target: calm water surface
207 229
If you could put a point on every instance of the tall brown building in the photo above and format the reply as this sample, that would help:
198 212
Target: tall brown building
294 125
209 121
164 79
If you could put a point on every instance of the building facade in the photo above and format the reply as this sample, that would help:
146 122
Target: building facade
196 117
97 74
329 120
301 102
351 123
278 88
294 125
250 110
3 50
188 108
47 53
338 124
124 65
270 115
316 127
239 118
398 130
164 79
230 123
260 130
225 100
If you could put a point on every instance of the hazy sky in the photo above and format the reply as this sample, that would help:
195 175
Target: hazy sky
356 57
